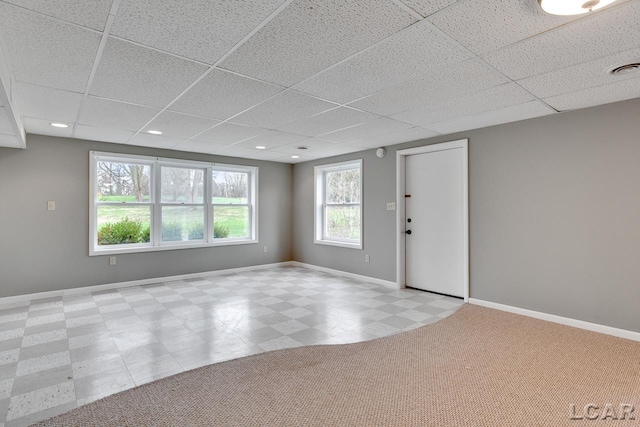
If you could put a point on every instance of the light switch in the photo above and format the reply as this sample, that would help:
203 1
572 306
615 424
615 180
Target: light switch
51 205
391 206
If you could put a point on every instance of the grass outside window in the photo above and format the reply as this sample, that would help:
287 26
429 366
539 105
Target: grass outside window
139 203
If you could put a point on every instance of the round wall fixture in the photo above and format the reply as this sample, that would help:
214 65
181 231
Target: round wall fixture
380 152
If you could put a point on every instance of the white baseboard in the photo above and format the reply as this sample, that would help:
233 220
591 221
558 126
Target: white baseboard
387 283
118 285
608 330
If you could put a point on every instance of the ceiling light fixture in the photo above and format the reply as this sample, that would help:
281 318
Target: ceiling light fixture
302 147
154 132
59 125
625 69
572 7
295 156
260 147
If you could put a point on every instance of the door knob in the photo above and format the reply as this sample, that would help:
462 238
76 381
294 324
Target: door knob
408 231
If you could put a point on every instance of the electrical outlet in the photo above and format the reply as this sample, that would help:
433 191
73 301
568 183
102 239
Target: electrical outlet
112 260
51 205
265 249
391 206
367 258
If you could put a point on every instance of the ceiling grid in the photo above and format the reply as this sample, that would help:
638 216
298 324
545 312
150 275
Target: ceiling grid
335 77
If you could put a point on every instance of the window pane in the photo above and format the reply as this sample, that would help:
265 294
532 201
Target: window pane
230 187
343 186
182 223
122 182
230 221
123 224
343 222
182 185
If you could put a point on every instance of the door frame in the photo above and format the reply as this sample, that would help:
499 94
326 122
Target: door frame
401 157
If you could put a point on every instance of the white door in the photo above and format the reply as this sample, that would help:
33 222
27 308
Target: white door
434 220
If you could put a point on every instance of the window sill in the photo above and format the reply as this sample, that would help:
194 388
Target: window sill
138 249
339 244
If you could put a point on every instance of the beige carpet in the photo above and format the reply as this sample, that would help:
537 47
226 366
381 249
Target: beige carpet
478 367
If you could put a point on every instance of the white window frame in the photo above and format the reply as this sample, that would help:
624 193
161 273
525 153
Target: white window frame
157 231
250 203
320 172
155 203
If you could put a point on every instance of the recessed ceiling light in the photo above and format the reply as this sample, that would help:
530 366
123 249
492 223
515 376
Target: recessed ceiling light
572 7
154 132
625 69
295 156
260 147
59 125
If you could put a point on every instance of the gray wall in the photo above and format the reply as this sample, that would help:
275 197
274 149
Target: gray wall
379 237
554 217
554 214
43 251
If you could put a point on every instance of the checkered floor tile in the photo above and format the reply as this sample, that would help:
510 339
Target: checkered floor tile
57 354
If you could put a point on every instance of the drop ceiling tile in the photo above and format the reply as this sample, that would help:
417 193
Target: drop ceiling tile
154 141
605 94
199 147
339 150
282 109
308 157
509 114
308 36
467 77
399 58
428 7
487 100
92 14
312 144
133 73
47 103
218 149
9 141
221 95
329 121
43 127
399 137
5 123
203 30
377 127
108 114
91 133
263 155
288 159
228 133
235 151
45 51
484 26
271 139
180 125
580 76
598 35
